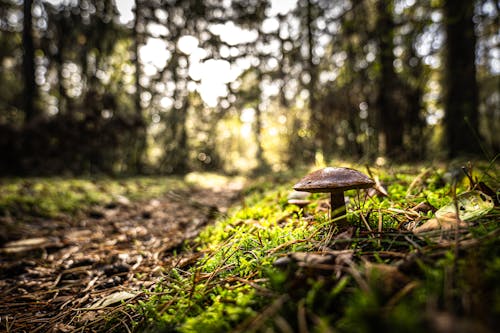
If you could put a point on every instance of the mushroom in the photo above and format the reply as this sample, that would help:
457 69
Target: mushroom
301 203
298 199
334 181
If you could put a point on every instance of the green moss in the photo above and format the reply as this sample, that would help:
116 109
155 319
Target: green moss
244 246
50 197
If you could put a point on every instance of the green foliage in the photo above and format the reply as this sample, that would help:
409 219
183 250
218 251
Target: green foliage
237 286
49 197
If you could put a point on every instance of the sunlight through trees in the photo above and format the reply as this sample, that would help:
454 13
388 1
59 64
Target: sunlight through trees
151 86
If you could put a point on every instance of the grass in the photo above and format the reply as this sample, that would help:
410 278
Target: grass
254 275
51 197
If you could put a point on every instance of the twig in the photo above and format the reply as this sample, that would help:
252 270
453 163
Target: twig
354 271
379 224
401 293
291 242
416 181
365 222
256 322
392 254
301 317
252 284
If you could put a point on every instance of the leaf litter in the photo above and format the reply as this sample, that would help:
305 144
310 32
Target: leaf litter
75 274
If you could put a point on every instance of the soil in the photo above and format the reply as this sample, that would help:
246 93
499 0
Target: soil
74 274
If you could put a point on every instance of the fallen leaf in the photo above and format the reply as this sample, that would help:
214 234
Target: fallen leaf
445 222
471 205
488 191
29 244
63 328
423 207
112 299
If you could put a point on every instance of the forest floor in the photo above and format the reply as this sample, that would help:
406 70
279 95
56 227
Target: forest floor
420 253
71 273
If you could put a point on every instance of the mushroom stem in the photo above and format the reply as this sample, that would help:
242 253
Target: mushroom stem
337 206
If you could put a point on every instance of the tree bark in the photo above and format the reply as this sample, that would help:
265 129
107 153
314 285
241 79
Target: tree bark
136 60
461 119
313 77
262 164
140 135
390 119
62 25
30 90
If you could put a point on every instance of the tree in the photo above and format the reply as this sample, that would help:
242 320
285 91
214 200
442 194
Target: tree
140 144
390 119
461 120
312 69
414 75
30 89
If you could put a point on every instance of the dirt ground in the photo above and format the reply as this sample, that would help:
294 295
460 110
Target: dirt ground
73 273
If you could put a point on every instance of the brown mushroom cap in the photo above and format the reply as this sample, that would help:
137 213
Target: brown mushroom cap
330 179
298 195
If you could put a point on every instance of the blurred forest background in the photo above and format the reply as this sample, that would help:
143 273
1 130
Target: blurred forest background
166 86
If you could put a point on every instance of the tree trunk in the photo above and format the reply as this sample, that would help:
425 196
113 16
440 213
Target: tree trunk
140 135
182 166
262 165
59 60
136 60
175 160
461 120
315 118
30 91
390 120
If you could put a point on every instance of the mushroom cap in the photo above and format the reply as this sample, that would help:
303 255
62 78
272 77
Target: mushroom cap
299 202
331 179
298 195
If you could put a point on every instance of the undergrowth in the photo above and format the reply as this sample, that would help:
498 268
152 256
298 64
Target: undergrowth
271 267
51 197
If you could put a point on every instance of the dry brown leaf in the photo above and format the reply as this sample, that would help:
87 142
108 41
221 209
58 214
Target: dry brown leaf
445 222
63 328
424 207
